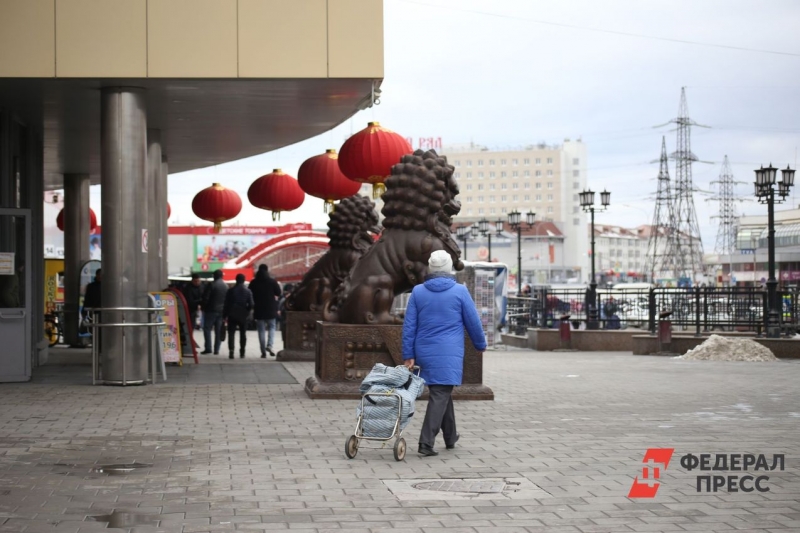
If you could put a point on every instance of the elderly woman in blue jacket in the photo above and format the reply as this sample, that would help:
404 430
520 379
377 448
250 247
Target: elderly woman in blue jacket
433 338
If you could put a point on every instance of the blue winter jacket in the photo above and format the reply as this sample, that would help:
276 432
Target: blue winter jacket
433 331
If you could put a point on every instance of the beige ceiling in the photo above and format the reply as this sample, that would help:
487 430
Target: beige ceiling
202 122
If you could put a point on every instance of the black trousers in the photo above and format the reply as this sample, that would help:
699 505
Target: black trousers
232 325
439 416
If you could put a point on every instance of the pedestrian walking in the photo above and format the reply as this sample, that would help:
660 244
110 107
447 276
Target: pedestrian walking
213 306
92 299
238 305
266 292
193 293
433 338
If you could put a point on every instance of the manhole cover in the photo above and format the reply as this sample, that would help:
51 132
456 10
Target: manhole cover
120 468
120 520
466 485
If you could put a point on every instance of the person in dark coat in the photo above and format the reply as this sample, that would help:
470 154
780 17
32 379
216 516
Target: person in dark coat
238 305
433 337
91 299
266 292
213 305
193 293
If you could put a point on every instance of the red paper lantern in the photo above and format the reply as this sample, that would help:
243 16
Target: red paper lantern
276 192
216 204
320 176
368 156
169 211
92 220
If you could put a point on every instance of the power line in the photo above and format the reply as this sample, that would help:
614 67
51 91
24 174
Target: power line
603 30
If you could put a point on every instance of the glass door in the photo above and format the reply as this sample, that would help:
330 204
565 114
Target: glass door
15 291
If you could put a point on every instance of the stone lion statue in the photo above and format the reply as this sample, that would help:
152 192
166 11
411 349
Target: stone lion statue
419 204
352 225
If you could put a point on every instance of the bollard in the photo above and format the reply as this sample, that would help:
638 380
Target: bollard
664 330
565 332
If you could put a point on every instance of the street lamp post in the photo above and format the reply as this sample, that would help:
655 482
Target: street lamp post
515 221
765 192
483 227
462 232
587 203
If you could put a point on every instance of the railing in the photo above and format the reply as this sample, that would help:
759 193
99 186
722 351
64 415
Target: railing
701 309
152 329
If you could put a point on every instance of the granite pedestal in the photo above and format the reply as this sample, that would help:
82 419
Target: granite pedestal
345 354
301 338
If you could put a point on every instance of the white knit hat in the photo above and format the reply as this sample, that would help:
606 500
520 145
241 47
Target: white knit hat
440 261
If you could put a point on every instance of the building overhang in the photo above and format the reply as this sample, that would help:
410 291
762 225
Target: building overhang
202 122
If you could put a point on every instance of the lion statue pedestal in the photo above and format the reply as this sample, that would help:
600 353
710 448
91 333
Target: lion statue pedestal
347 352
301 336
360 327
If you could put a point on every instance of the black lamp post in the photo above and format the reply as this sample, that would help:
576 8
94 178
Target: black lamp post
587 203
462 232
765 192
483 227
515 221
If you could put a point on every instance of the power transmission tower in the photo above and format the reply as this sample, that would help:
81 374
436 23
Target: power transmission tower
726 196
687 230
728 222
663 249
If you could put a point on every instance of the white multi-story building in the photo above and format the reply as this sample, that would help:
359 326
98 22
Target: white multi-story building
545 179
620 252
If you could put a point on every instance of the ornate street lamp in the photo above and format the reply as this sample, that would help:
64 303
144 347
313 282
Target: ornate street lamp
484 226
587 203
462 232
765 192
515 221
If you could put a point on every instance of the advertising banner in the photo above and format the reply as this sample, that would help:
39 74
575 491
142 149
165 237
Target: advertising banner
170 334
53 285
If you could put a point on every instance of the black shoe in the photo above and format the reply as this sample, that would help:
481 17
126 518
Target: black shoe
263 355
205 352
453 445
216 353
230 356
241 354
270 352
426 450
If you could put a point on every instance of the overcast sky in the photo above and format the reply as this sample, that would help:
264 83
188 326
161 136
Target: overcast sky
508 73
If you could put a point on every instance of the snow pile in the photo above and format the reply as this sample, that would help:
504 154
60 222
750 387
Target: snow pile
717 348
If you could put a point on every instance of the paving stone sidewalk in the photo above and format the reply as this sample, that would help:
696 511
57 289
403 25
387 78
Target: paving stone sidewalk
571 427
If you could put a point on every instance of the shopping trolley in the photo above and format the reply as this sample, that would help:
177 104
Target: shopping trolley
380 418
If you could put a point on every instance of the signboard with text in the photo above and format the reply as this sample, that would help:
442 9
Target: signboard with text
170 334
213 250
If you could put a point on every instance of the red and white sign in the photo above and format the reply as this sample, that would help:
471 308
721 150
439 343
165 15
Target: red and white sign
239 230
425 143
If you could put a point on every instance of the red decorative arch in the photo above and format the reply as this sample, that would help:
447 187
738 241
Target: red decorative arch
289 255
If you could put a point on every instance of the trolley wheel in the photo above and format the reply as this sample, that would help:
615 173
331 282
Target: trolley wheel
51 332
400 449
351 447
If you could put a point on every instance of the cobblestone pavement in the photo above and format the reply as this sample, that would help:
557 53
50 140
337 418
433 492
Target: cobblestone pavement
572 427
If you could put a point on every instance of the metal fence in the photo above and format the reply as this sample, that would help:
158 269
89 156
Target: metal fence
698 310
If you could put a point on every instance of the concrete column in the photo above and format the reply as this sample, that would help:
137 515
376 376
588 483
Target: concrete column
158 211
164 237
125 198
76 248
